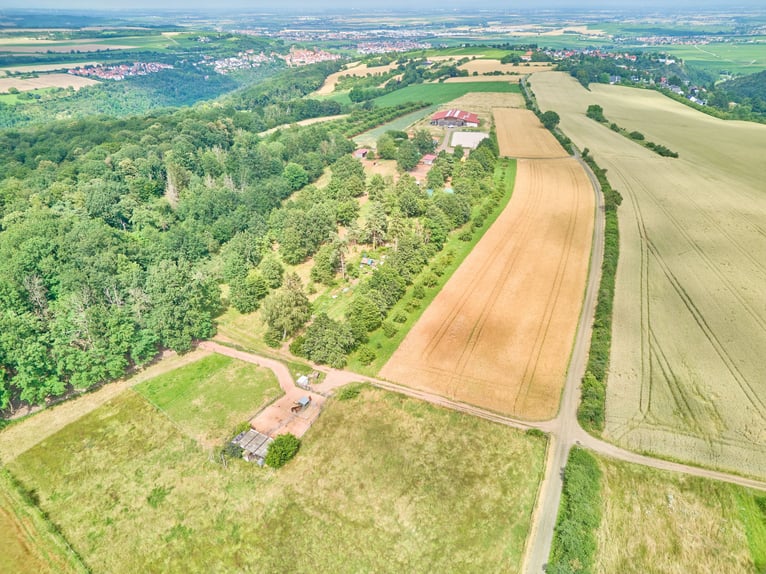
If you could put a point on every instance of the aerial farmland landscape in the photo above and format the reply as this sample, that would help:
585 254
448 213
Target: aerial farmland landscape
461 287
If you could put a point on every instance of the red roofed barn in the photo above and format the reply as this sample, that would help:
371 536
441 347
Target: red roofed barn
455 118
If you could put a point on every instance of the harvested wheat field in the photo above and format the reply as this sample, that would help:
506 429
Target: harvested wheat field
45 81
520 134
354 70
489 66
687 378
499 333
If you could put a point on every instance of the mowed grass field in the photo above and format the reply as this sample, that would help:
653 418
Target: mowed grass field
736 58
441 93
382 483
687 377
665 523
499 333
209 397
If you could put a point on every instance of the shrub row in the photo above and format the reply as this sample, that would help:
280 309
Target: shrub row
593 402
596 112
531 104
574 539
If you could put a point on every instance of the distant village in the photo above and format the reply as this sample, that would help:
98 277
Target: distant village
120 71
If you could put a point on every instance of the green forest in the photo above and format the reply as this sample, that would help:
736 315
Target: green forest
117 234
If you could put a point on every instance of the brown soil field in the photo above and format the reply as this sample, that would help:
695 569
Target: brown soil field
687 377
499 333
520 134
357 70
45 81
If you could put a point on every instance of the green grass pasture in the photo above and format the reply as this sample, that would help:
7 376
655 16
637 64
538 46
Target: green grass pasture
441 93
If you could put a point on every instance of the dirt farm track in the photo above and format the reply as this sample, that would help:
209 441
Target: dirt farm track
499 334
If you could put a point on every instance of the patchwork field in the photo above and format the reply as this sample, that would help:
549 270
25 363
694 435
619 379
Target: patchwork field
380 485
209 397
27 544
499 334
687 376
355 70
664 523
520 134
45 81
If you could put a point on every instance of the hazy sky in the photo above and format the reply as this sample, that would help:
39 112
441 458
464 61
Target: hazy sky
366 5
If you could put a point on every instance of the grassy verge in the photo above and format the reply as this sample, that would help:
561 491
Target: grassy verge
591 412
30 542
382 483
656 521
574 539
211 396
454 252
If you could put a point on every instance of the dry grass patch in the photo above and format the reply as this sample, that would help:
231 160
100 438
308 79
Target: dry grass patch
22 436
383 483
499 334
45 81
687 378
520 134
669 524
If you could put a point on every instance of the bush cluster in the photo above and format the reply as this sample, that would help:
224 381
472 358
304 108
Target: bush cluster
574 540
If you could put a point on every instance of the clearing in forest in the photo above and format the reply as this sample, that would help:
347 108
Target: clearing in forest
499 333
380 480
687 377
356 70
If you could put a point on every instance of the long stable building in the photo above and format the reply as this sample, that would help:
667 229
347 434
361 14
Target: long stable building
455 118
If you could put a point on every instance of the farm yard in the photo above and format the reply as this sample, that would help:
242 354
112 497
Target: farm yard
380 480
686 379
498 335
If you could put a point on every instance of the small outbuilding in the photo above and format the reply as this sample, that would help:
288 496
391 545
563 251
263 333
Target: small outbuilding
361 153
254 445
428 159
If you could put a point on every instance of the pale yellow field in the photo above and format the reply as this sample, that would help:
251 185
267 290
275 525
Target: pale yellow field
665 523
49 67
687 375
46 81
355 70
520 134
487 66
499 334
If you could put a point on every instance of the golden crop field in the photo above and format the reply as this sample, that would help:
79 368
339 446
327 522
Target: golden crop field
353 70
520 134
499 334
687 377
45 81
49 67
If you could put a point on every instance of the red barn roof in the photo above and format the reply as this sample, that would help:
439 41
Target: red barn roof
467 117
